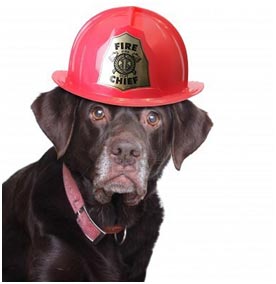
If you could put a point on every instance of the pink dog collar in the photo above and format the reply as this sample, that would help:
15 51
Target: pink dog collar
93 232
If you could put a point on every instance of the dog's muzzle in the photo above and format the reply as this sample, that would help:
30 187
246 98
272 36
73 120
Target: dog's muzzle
122 168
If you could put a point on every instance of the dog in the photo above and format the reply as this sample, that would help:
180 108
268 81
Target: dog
110 157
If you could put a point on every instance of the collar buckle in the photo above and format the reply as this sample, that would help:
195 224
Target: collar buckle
88 226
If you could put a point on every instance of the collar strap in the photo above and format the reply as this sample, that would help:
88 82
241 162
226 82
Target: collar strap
93 232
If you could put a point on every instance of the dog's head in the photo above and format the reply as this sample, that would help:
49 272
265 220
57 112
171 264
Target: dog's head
119 149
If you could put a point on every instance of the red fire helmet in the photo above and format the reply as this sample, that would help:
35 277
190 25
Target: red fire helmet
128 56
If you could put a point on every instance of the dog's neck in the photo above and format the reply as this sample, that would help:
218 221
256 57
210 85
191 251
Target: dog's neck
93 232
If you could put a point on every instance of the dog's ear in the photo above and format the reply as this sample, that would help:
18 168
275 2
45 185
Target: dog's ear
55 113
191 126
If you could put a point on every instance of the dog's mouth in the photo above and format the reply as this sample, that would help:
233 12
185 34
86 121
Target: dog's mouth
129 188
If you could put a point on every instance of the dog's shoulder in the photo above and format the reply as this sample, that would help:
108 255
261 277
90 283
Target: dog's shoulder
24 175
17 190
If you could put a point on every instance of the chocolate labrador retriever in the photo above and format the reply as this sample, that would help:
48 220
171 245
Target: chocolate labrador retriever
88 210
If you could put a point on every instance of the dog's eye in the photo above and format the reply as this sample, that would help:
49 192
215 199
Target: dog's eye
98 113
153 118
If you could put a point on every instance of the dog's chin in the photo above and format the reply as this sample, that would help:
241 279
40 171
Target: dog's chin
123 187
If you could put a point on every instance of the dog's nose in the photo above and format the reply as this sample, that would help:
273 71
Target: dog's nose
125 153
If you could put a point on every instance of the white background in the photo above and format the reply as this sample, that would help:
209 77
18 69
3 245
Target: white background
220 208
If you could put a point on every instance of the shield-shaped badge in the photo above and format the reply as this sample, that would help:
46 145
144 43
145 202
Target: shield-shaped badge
124 65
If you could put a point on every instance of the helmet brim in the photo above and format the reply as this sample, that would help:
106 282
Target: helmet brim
139 97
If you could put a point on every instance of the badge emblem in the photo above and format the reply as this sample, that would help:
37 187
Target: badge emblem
124 65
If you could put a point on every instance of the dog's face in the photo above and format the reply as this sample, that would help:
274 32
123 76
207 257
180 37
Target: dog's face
119 149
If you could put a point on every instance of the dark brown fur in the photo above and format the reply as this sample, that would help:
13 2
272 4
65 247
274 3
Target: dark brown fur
41 239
